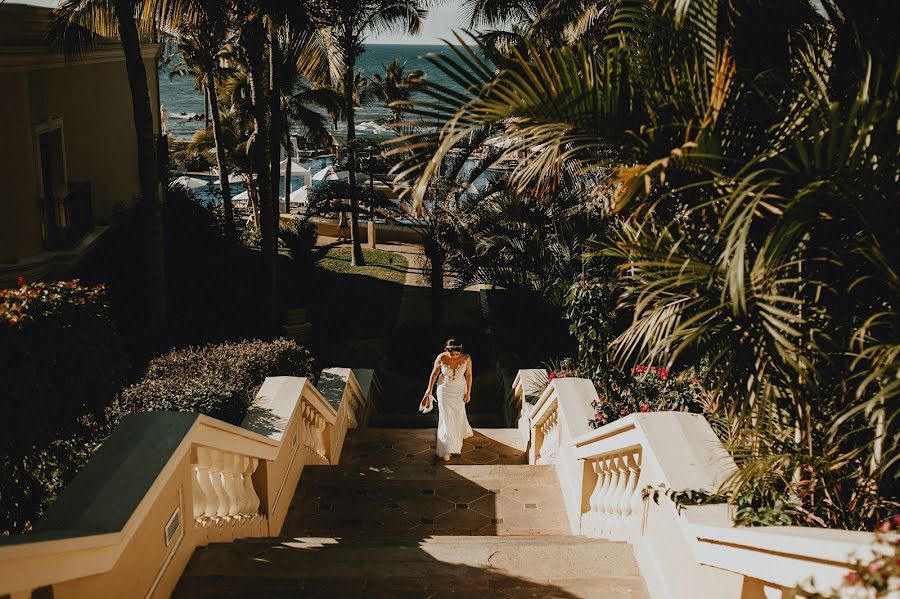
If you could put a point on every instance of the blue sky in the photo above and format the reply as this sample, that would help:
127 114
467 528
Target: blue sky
439 24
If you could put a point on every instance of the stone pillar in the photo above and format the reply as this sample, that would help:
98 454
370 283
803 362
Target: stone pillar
373 243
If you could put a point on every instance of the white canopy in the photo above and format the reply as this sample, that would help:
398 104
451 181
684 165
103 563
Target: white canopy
326 174
297 169
191 182
299 195
345 175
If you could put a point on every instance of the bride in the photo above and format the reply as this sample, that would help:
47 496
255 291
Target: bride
453 393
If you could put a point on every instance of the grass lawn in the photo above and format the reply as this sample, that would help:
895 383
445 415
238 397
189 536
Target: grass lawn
353 309
379 264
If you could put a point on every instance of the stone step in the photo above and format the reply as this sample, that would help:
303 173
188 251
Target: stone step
382 446
556 566
408 500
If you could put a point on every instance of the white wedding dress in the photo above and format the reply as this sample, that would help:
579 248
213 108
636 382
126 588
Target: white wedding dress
453 425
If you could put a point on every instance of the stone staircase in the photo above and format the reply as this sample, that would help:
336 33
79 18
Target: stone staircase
390 521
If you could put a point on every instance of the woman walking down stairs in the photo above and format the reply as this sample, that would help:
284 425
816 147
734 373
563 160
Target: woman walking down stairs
389 521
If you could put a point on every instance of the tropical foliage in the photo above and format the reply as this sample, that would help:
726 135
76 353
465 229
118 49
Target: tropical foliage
748 189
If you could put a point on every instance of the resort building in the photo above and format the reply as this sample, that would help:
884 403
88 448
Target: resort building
68 157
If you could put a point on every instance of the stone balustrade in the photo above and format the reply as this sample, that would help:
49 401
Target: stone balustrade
165 483
691 553
224 497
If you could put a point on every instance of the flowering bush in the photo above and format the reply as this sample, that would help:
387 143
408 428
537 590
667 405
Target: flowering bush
650 389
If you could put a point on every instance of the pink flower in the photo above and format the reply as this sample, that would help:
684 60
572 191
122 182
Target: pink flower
885 526
551 376
598 416
20 280
645 407
852 578
663 373
874 566
623 412
639 369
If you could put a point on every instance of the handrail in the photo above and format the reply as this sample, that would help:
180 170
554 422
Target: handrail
689 552
165 483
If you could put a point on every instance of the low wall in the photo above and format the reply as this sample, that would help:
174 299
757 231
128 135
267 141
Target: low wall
692 553
165 483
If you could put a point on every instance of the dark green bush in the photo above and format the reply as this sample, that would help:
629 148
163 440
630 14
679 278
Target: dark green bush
217 380
60 358
299 235
61 361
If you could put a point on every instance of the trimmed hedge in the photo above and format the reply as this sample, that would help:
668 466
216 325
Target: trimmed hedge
299 235
217 380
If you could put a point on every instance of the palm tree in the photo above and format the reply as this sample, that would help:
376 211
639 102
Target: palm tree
77 23
395 86
751 210
348 23
202 48
303 77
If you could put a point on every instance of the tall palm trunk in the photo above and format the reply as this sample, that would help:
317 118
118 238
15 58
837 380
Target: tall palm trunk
275 123
254 36
357 258
150 205
227 208
287 178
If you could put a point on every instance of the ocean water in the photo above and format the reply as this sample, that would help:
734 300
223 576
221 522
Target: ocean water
185 104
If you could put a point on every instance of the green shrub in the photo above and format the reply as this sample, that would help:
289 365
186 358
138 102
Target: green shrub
217 380
60 358
61 362
299 235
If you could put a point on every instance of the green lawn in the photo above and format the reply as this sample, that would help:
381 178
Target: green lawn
379 264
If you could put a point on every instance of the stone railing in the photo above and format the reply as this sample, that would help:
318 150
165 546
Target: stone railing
165 483
692 552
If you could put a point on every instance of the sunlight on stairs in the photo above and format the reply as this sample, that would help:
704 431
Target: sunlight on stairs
390 521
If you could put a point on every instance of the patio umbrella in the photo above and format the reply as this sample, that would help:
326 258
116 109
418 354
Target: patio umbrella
326 174
244 195
191 182
345 175
299 196
297 170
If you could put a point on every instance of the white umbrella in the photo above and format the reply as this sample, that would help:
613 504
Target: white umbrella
232 178
345 175
244 195
297 169
191 182
299 196
326 174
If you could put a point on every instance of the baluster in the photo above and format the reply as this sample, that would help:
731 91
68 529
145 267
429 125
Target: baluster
253 498
634 473
199 499
589 525
320 425
619 492
218 485
204 481
609 495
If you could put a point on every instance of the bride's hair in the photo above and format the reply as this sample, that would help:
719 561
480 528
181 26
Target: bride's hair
453 345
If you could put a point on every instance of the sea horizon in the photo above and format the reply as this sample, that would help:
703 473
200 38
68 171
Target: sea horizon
185 105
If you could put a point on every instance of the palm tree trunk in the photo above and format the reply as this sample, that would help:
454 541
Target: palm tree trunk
151 201
356 253
287 178
227 208
254 37
275 123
